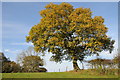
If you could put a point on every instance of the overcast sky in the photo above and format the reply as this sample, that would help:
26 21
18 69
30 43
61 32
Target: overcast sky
19 17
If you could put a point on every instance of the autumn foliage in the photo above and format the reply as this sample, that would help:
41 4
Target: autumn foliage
69 33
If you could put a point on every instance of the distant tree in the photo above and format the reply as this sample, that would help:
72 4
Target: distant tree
28 52
3 58
101 63
4 61
31 61
9 66
32 64
69 33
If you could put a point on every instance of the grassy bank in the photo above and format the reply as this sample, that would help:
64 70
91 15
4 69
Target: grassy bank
79 74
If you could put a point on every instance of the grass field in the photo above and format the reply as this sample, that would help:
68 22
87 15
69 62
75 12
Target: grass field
80 74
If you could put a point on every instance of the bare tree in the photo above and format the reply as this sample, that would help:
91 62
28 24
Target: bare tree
28 52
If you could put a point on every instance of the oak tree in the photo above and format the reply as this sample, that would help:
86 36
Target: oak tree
69 33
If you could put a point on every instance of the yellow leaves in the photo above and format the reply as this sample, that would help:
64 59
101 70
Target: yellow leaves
37 48
79 11
51 6
77 38
77 16
66 6
60 43
28 38
63 22
71 28
53 39
50 26
39 41
98 20
89 44
71 44
78 31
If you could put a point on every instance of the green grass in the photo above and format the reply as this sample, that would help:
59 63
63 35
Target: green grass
80 74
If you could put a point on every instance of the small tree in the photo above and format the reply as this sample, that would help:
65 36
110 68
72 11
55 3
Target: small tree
32 64
28 52
69 33
30 61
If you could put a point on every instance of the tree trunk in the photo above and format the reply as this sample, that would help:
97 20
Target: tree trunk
75 65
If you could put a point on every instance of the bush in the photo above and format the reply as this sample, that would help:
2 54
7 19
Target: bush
10 67
42 70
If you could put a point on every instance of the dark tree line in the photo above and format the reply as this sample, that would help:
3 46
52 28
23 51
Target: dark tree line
9 66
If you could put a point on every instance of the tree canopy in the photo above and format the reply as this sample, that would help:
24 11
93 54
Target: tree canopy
30 61
32 64
69 33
